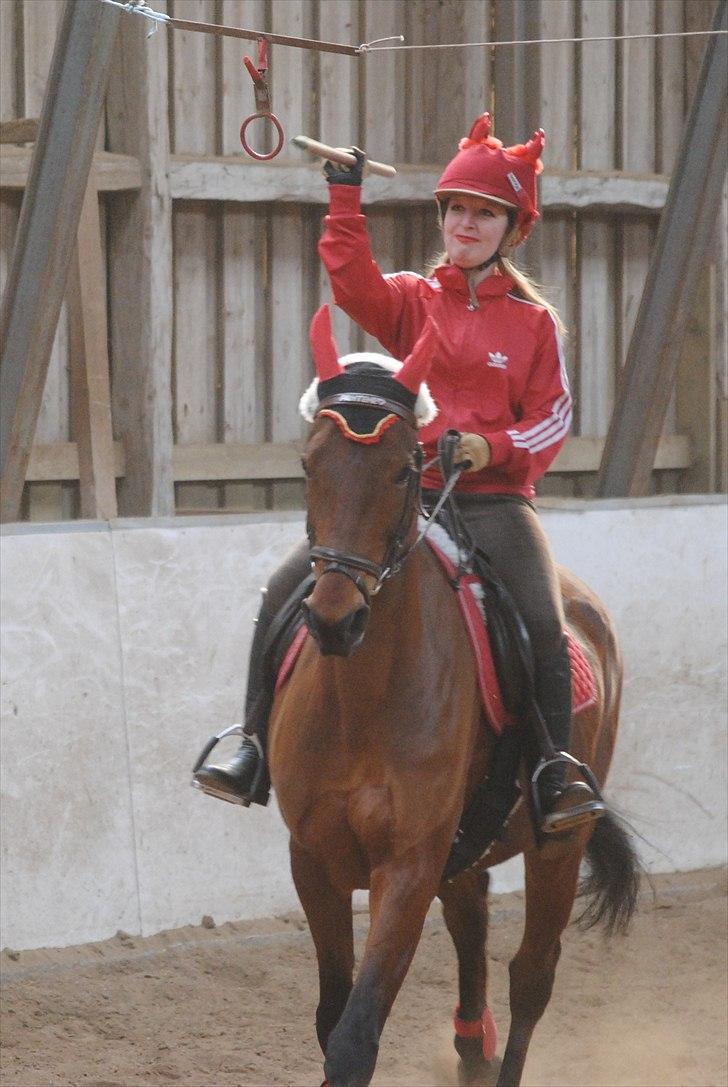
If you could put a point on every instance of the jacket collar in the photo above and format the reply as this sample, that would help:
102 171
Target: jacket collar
453 279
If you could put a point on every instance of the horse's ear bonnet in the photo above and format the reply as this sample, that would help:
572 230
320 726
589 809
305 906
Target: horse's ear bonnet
323 345
367 372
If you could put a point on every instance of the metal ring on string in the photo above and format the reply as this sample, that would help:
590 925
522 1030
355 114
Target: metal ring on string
278 127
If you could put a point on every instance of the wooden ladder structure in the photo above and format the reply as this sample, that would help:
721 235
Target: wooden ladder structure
61 203
95 452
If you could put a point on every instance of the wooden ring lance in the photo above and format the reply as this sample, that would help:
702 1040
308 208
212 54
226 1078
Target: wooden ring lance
335 154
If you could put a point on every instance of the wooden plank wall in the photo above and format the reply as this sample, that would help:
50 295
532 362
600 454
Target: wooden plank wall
247 277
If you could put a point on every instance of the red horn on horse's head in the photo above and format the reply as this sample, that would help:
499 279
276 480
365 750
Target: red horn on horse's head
416 366
325 355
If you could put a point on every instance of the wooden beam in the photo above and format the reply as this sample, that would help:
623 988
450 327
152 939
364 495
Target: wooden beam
608 191
47 229
681 250
113 173
214 177
282 460
89 359
236 460
696 387
58 463
22 130
140 272
584 454
217 177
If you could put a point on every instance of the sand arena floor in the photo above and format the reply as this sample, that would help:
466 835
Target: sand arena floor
234 1004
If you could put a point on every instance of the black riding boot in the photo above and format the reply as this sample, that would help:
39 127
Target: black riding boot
566 801
243 779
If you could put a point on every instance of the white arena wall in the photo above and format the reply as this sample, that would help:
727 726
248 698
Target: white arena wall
125 647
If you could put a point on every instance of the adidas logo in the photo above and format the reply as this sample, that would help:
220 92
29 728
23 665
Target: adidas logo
497 360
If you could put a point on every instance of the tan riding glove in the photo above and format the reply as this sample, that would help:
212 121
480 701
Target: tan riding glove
475 449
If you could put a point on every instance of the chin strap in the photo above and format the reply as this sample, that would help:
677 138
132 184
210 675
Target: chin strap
469 273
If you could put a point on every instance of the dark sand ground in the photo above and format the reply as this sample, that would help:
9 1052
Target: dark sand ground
234 1005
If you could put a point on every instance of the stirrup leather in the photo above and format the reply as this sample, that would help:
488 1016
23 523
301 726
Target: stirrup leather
580 815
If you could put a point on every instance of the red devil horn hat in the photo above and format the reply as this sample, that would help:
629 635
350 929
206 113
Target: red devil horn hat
484 167
530 152
416 366
323 345
481 129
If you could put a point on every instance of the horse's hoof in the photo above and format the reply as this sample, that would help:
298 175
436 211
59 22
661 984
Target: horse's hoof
479 1074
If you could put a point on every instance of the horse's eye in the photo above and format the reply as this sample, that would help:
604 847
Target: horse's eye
401 478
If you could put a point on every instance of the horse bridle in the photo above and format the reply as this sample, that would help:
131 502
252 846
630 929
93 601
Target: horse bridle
353 566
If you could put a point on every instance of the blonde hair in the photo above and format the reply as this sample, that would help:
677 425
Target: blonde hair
524 286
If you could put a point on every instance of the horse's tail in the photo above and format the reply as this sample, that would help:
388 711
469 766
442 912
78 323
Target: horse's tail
613 881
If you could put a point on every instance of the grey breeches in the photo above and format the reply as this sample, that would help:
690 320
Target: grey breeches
508 530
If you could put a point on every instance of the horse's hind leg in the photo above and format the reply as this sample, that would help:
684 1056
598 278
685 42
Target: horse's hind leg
329 916
550 891
465 909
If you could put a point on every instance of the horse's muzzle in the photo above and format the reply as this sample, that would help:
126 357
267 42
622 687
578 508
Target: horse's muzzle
338 638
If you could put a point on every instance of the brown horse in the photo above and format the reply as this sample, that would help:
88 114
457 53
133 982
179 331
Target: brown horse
377 741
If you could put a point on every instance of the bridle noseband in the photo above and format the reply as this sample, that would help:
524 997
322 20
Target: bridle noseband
353 566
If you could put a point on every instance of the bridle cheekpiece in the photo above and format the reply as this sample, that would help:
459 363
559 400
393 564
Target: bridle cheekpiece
353 566
350 396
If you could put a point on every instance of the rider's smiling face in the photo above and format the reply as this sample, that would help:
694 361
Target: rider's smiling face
473 228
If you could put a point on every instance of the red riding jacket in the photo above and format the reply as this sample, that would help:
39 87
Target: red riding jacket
504 375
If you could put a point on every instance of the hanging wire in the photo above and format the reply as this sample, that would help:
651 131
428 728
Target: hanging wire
375 47
140 7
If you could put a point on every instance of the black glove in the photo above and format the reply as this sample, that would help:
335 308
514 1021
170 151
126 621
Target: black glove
338 174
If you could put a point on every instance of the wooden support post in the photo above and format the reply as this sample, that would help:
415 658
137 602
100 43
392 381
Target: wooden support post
682 246
47 230
140 272
517 91
89 362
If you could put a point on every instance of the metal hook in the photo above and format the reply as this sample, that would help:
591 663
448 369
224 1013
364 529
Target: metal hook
263 103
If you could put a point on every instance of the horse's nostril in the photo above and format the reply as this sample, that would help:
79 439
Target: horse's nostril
358 624
340 637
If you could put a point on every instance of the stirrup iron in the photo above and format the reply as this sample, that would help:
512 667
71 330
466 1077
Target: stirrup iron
209 788
578 816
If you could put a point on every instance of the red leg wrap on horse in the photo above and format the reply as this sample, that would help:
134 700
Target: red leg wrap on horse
477 1028
490 1034
466 1028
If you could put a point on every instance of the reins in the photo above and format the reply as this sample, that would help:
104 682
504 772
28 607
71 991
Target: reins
451 470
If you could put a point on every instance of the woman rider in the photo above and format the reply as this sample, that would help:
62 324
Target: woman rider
502 384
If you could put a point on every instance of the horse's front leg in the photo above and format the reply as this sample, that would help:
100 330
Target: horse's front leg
400 894
329 916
